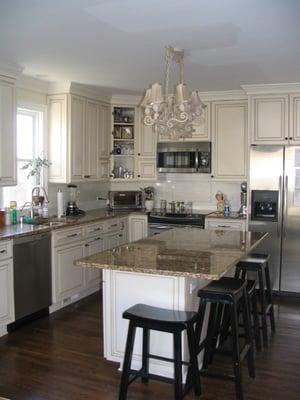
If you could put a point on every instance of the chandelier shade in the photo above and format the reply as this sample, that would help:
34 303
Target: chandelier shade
172 114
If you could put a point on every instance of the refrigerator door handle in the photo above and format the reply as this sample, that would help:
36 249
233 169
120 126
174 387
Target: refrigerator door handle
279 204
285 206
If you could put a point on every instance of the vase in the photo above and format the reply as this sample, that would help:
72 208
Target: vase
149 205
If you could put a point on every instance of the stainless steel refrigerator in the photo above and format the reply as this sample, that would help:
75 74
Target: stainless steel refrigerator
274 207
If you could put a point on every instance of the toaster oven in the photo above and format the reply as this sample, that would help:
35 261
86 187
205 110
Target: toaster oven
127 199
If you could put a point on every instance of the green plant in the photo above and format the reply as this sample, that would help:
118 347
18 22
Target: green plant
35 167
149 192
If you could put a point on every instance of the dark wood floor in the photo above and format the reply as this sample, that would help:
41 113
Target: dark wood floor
60 358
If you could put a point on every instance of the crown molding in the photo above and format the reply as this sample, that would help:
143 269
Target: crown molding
32 84
223 95
272 88
11 71
92 92
132 100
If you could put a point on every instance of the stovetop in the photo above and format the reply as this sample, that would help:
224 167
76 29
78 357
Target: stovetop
178 218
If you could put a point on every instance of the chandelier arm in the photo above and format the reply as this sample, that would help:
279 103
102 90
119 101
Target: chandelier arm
181 70
167 71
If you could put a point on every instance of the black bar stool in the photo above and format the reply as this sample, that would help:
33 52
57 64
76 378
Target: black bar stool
258 263
160 319
230 293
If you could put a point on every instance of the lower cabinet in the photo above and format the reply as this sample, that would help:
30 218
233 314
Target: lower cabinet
225 224
7 308
138 227
93 276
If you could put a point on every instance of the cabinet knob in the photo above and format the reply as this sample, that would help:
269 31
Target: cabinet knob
139 154
139 176
291 138
87 176
211 176
286 138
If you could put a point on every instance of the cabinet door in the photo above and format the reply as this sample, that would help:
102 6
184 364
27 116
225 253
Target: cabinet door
7 134
113 240
105 131
295 119
77 125
7 308
68 277
93 275
146 140
91 144
104 169
269 119
138 227
146 168
229 127
57 132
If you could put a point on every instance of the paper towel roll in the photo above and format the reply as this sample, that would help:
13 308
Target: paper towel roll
60 203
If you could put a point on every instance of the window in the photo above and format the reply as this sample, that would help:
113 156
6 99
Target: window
30 144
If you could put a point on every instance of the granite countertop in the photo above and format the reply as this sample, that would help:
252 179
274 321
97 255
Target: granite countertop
11 231
187 252
232 215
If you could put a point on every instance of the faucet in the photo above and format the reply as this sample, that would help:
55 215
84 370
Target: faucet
31 208
44 191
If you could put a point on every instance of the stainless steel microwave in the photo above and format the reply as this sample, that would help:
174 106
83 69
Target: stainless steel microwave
127 199
193 157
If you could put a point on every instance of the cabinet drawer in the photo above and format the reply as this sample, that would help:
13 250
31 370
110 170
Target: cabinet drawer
65 236
224 224
113 225
5 250
94 229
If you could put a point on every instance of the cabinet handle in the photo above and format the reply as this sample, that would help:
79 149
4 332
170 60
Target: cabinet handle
3 251
223 226
72 235
86 245
120 235
211 176
97 229
291 138
87 176
113 225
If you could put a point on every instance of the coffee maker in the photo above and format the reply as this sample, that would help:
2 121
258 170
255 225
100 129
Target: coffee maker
243 208
72 208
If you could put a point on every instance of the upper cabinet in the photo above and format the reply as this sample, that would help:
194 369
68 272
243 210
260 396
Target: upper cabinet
295 118
229 131
269 119
7 133
202 131
78 139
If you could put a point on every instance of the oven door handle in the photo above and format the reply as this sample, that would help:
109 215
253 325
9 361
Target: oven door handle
197 160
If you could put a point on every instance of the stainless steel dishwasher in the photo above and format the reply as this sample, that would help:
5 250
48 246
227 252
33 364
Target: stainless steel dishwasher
32 276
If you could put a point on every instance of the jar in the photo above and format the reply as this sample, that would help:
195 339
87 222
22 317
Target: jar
2 218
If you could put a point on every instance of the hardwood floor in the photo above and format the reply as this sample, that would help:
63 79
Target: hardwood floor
60 358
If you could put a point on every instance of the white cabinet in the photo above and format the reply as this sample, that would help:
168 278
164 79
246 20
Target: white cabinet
269 119
93 246
7 308
229 129
146 142
225 224
138 227
7 133
78 137
295 119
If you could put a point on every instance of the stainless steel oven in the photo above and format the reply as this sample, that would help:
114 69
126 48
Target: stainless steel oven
188 157
126 199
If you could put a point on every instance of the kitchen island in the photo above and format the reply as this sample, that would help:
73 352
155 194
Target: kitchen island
167 271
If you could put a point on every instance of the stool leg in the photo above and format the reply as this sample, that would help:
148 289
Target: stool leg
145 358
236 352
177 366
216 331
270 297
262 295
256 321
210 332
248 334
193 360
127 361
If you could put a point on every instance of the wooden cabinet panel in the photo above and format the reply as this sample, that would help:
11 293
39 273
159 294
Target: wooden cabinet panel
91 136
229 127
77 126
7 134
269 119
146 169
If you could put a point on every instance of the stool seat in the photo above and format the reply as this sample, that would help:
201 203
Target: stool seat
256 258
224 288
145 313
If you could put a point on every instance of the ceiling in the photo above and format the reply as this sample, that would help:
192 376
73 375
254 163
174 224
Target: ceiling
119 44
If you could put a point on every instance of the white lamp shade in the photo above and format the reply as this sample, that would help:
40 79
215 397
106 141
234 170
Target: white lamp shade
147 99
182 93
156 93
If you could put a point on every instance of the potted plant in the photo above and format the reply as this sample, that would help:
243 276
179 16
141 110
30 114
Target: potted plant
35 167
148 196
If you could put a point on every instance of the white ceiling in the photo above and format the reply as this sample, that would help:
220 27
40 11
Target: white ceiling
120 43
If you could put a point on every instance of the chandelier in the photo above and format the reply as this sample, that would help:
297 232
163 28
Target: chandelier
172 114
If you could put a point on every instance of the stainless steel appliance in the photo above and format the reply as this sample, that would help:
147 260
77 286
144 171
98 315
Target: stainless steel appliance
32 276
160 222
243 208
184 157
72 207
127 199
274 206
